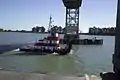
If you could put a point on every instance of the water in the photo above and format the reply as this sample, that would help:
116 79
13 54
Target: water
89 59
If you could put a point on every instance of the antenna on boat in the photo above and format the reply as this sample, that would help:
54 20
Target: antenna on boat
50 24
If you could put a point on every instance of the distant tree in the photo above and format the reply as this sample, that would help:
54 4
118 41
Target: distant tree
1 30
59 29
63 30
22 31
42 29
5 30
17 30
54 29
9 30
33 29
38 29
94 27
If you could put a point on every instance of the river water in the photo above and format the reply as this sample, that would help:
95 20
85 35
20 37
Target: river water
87 59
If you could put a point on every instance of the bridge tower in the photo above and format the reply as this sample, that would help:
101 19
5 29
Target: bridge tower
72 18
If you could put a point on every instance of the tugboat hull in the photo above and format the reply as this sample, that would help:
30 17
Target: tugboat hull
48 45
35 50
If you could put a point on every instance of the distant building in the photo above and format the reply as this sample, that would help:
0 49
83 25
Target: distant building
102 31
91 30
95 30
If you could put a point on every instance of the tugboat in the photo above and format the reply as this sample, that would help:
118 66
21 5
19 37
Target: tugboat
48 45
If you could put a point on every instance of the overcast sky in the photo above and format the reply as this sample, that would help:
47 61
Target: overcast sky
25 14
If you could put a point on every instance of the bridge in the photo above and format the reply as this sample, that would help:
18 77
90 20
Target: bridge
72 24
72 18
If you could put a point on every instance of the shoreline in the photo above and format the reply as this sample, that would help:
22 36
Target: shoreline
63 33
12 75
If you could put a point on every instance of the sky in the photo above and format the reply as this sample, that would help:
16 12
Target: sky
25 14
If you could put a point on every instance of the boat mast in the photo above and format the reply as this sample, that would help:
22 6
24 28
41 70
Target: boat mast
50 24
